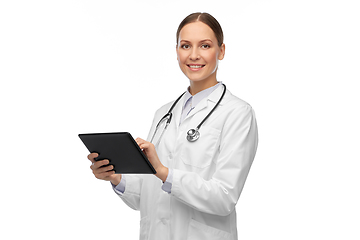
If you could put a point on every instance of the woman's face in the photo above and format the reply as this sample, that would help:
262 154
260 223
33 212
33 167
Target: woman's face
198 52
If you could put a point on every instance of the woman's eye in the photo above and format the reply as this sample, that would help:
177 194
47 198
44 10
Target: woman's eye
185 46
205 46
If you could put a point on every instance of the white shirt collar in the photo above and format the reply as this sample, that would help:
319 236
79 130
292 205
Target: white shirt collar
194 100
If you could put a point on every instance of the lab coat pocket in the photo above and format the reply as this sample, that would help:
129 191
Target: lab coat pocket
201 152
144 228
201 231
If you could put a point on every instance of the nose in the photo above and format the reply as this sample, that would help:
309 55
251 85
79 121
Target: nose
194 55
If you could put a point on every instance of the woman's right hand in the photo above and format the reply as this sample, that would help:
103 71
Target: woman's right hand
103 173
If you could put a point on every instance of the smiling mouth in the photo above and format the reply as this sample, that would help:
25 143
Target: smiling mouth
197 66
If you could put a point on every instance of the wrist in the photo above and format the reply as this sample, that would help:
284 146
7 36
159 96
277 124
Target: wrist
162 173
116 180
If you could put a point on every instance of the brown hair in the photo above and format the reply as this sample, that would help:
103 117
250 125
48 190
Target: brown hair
208 20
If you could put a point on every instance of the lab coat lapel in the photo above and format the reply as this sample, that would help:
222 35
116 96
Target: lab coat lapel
177 112
209 101
200 106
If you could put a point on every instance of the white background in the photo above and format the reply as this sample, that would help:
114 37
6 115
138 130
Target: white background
70 67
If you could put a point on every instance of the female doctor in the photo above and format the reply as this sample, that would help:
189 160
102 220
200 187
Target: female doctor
202 159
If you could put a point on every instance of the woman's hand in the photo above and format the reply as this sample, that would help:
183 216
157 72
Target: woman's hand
103 173
150 152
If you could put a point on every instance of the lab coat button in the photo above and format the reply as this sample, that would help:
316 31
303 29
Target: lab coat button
170 156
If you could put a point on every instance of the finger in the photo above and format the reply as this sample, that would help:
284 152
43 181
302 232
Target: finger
139 142
99 164
92 157
143 145
106 169
104 175
100 170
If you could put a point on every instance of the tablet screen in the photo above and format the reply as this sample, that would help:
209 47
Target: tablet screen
120 149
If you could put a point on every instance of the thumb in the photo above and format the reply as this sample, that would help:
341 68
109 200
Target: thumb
92 157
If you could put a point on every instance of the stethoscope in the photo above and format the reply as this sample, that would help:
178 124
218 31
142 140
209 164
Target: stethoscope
192 134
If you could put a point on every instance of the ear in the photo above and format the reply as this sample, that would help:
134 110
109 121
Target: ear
222 52
177 52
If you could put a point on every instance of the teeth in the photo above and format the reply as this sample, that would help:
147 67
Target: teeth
195 66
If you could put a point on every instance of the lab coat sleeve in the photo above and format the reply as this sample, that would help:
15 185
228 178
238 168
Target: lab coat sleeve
132 193
220 193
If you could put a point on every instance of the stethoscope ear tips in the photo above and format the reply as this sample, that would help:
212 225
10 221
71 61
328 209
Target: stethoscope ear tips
193 135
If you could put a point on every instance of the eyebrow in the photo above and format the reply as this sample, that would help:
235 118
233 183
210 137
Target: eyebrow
204 40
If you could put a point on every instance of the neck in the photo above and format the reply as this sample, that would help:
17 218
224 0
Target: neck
199 86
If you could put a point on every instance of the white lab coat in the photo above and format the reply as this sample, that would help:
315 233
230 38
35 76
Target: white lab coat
208 174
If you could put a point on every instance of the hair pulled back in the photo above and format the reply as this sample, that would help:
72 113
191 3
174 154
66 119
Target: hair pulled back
208 20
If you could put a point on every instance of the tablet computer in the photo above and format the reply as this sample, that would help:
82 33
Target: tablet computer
120 149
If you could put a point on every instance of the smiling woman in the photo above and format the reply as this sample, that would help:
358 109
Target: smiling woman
202 176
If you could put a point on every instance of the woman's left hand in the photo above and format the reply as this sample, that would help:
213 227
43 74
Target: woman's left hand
150 152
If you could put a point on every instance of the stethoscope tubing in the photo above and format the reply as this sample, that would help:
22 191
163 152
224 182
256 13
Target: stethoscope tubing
207 116
168 114
195 132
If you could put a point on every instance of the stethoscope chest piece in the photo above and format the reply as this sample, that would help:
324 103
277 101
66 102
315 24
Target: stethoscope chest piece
193 135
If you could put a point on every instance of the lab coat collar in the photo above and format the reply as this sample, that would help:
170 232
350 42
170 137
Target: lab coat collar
199 96
216 94
213 97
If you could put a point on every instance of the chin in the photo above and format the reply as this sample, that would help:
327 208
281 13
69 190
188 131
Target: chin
200 78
